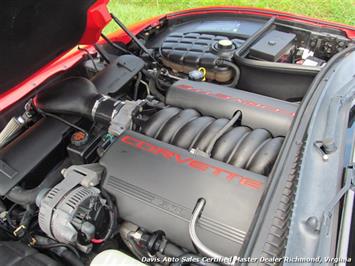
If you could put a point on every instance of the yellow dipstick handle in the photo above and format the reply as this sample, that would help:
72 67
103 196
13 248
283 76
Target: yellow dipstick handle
204 72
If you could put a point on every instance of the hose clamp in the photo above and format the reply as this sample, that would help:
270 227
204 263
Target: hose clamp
97 104
19 230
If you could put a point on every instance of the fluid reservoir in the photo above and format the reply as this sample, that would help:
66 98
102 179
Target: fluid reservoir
115 258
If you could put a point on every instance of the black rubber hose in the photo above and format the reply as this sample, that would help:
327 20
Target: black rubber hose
236 69
28 215
28 196
222 131
154 90
75 96
71 258
171 250
71 96
136 86
69 254
58 245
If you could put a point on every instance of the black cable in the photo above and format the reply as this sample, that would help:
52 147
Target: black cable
28 215
9 218
102 53
90 57
113 216
136 85
253 38
133 37
222 131
58 245
63 121
114 45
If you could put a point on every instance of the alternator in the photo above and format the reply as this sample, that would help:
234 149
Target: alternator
73 210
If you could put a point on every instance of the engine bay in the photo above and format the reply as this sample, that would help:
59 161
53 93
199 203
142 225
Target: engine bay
160 148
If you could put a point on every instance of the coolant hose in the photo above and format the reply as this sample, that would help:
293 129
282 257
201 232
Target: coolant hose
24 197
28 215
236 69
154 90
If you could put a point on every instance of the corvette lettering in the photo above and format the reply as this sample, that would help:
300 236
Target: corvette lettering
190 162
241 101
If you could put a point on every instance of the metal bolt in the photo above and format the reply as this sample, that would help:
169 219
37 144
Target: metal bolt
313 222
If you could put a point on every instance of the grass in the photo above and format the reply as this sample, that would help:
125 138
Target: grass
130 11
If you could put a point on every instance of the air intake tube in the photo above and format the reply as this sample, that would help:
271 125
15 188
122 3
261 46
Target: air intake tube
79 97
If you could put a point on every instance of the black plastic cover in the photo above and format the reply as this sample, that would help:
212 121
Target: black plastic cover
272 45
251 149
157 185
15 253
117 74
222 102
31 152
192 48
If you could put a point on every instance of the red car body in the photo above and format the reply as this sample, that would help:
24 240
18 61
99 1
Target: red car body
60 72
98 17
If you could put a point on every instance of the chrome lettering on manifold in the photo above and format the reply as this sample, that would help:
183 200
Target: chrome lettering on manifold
241 101
190 162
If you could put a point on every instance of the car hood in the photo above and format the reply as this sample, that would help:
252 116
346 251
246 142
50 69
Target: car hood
34 32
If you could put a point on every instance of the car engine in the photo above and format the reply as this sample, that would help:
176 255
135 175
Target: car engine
167 149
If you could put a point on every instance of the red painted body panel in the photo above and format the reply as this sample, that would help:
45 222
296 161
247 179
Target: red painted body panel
98 17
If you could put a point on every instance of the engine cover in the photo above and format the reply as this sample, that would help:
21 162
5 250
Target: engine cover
258 111
157 185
